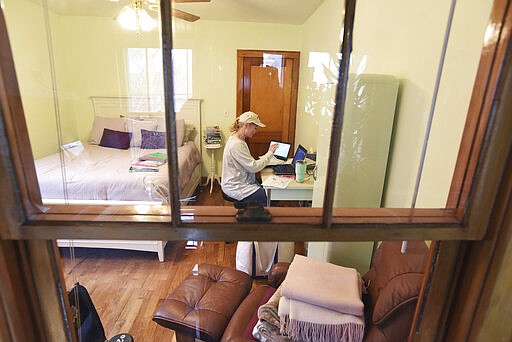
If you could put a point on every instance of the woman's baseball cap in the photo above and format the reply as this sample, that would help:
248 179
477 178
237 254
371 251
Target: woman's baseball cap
250 117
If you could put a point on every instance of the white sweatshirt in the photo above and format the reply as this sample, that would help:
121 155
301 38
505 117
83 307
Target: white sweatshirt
239 168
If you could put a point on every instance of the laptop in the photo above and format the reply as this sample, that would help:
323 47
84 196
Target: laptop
282 149
289 169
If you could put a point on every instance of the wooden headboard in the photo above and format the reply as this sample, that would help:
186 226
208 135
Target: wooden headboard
133 106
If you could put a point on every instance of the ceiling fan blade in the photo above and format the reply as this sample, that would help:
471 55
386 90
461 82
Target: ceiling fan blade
184 15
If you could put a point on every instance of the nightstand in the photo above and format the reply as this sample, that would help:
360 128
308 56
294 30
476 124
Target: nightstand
212 175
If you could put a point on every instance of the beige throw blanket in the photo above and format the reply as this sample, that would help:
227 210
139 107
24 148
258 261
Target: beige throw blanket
323 284
321 302
305 322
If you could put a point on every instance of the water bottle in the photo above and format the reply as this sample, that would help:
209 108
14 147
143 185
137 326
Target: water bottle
300 170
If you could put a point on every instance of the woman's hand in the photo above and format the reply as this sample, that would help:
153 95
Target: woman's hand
273 147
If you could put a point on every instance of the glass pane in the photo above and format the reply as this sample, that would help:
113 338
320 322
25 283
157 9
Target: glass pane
275 66
82 69
186 276
91 80
394 90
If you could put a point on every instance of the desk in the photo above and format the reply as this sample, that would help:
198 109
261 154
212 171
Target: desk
212 174
293 192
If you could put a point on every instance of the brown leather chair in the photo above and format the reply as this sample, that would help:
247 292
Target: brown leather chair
202 305
393 283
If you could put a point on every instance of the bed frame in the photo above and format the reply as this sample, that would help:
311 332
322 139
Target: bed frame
113 107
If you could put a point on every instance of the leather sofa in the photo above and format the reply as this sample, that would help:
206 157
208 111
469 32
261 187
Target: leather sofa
393 284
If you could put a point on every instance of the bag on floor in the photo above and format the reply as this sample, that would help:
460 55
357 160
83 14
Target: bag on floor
86 320
87 323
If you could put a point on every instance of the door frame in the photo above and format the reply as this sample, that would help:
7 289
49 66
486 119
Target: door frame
295 55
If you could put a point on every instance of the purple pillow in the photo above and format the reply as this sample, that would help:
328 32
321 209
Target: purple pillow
152 139
115 139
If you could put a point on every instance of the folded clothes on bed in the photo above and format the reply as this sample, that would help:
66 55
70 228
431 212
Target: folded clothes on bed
323 284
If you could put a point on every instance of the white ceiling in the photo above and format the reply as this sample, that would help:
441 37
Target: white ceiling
271 11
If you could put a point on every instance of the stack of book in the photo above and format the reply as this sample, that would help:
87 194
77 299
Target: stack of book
213 135
149 162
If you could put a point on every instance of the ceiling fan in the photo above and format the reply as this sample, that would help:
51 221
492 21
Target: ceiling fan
154 5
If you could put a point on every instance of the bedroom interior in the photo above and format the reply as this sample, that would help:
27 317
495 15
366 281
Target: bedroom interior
90 66
83 54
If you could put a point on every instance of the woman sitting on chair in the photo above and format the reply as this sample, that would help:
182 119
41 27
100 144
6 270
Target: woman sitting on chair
238 165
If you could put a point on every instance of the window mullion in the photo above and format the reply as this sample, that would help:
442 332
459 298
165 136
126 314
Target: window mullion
170 114
339 112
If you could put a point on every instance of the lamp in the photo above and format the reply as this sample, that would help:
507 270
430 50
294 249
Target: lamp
134 17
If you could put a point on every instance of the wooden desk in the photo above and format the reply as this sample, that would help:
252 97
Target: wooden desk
293 192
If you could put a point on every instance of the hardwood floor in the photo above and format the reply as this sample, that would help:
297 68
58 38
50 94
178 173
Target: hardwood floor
125 286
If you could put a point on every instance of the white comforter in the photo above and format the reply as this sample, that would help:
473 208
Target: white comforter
101 173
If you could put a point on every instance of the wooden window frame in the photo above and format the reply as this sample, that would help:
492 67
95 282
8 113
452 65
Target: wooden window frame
31 286
471 195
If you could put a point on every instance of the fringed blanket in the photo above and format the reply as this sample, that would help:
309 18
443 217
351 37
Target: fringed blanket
323 284
321 302
306 322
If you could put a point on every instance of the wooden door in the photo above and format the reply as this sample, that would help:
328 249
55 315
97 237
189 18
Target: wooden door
267 83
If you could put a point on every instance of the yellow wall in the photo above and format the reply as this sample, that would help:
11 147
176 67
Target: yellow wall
412 54
29 43
214 48
93 62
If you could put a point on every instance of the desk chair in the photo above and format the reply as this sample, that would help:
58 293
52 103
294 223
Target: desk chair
228 198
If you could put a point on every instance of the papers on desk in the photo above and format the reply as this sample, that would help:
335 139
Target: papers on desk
277 182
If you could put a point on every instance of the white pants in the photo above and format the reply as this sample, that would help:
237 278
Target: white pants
265 252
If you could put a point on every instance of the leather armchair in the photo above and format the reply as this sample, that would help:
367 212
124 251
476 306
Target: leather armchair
393 284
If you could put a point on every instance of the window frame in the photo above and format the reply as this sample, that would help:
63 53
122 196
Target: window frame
464 218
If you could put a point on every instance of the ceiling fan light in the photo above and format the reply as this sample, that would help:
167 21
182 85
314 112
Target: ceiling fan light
133 17
145 21
127 18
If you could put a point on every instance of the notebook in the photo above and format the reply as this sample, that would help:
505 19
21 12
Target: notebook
289 169
282 150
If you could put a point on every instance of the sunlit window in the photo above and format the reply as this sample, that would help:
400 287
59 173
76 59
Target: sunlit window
145 78
182 76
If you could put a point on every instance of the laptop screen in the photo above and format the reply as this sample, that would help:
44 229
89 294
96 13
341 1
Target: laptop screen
282 150
300 154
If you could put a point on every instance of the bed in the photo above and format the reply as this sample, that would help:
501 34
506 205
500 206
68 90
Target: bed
98 171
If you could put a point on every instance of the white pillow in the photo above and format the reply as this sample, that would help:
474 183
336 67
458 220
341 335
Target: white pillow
160 121
134 126
115 124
